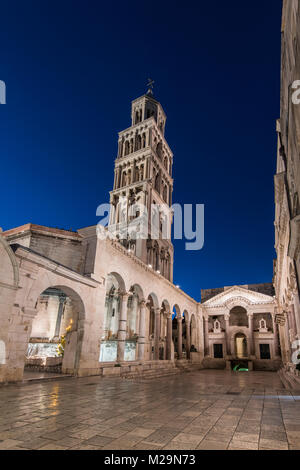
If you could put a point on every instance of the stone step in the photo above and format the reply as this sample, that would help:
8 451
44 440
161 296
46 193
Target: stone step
284 381
289 381
151 373
294 381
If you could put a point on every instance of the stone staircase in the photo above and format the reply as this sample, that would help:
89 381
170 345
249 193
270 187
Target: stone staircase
150 374
290 380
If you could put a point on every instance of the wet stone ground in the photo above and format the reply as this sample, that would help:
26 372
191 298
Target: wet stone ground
197 410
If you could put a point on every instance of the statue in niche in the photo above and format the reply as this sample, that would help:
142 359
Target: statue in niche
217 326
263 326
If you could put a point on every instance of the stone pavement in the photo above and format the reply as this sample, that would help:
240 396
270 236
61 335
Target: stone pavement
198 410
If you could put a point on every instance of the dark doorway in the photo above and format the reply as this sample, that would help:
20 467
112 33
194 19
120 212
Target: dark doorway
264 351
218 351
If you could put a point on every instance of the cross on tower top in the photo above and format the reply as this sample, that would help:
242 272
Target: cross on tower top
150 86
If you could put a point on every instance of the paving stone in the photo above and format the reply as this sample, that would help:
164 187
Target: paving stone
207 444
124 414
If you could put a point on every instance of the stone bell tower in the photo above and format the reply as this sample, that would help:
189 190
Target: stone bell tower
143 178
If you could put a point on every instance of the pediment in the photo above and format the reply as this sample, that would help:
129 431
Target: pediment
235 295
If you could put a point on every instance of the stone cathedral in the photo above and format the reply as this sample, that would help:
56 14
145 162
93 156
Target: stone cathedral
110 303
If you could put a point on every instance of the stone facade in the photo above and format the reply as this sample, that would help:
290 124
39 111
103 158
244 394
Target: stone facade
114 299
239 325
287 189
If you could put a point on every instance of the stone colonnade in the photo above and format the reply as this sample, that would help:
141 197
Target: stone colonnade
160 314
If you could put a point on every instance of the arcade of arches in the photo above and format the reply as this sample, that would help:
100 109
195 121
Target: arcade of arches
124 313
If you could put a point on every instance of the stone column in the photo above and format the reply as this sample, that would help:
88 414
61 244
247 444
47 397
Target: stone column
62 301
122 328
293 325
188 338
145 169
206 343
275 331
296 305
179 336
141 341
227 327
156 333
251 339
169 336
287 338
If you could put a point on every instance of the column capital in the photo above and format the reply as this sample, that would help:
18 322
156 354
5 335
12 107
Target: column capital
226 316
250 314
179 317
157 311
169 315
125 294
143 303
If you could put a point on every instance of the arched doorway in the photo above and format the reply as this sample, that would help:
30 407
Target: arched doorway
133 322
56 332
113 302
241 346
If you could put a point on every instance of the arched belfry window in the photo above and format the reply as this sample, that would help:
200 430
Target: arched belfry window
157 183
138 116
159 150
126 147
165 194
138 142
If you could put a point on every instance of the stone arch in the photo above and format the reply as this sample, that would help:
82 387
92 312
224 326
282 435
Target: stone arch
119 279
133 310
73 336
238 316
154 298
115 288
176 310
166 305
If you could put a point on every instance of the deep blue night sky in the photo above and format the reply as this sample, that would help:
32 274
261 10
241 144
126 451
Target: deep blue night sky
72 68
